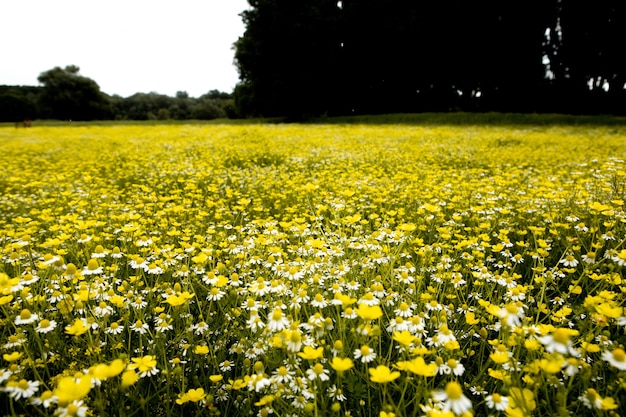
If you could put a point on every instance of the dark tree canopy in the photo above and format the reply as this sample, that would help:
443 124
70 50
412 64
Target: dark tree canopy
69 96
314 57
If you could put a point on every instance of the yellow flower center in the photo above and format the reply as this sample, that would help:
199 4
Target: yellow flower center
25 314
71 409
318 368
44 323
561 336
93 264
23 384
496 398
277 315
295 336
365 350
619 355
454 391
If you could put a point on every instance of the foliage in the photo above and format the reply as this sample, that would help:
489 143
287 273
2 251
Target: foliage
359 57
364 270
66 95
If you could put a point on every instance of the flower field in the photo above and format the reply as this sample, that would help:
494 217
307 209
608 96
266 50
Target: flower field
290 270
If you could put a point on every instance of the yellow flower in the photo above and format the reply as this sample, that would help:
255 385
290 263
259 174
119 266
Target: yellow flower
76 328
193 395
340 365
129 378
382 374
369 313
72 388
178 299
418 366
216 378
201 350
470 318
104 371
521 402
311 354
405 338
12 357
146 365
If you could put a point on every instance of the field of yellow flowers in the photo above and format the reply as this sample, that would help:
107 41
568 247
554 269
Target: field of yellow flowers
290 270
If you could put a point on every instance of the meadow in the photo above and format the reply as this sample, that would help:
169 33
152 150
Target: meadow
323 269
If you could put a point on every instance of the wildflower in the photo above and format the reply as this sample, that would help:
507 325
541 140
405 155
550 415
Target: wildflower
382 374
405 338
115 328
591 399
193 395
103 371
92 268
418 366
559 341
317 371
46 399
497 402
319 301
294 340
73 409
201 350
12 357
336 394
200 328
21 389
77 328
521 402
26 317
617 358
310 353
72 389
215 294
282 375
146 365
225 366
140 327
277 321
452 398
365 353
8 285
129 378
340 365
45 326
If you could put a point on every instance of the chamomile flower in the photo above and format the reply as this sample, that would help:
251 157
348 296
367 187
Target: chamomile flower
452 399
73 409
21 389
365 354
498 402
616 358
45 326
26 317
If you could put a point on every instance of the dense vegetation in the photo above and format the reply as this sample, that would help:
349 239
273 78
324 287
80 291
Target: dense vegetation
292 270
67 95
377 56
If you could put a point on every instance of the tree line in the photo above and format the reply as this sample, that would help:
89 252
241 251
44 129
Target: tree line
313 57
305 58
67 95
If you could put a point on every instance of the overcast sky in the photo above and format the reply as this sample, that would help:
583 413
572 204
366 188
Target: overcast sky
126 46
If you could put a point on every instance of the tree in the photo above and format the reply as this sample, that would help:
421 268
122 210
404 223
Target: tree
67 95
18 103
288 57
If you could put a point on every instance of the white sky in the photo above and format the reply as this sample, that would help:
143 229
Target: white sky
126 46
